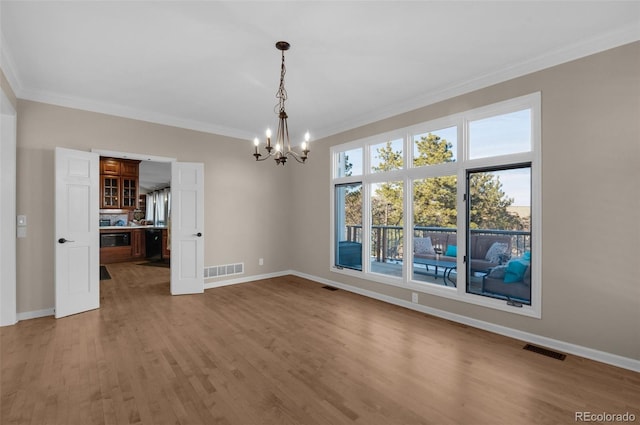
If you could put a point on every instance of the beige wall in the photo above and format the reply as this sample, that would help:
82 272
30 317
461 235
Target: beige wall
241 214
590 202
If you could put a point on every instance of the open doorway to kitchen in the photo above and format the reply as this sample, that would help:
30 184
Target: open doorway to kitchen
135 214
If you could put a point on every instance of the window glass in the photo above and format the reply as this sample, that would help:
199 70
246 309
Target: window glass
386 228
349 163
500 135
434 230
348 226
499 240
435 147
387 156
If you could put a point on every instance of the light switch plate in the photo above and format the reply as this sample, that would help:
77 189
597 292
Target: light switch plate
22 220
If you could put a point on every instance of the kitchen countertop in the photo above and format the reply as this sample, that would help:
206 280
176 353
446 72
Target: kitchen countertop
125 228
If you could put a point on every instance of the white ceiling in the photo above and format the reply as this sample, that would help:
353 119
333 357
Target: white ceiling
154 175
212 66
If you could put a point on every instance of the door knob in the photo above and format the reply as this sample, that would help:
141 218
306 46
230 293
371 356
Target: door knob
63 240
199 234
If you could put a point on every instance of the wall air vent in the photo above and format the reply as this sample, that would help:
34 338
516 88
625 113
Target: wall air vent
545 352
223 270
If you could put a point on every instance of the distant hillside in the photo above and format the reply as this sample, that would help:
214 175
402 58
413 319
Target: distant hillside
523 212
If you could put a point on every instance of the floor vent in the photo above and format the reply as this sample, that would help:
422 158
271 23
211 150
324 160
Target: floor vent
329 288
224 270
545 352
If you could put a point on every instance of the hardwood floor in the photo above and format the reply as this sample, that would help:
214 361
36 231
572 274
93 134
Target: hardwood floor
283 351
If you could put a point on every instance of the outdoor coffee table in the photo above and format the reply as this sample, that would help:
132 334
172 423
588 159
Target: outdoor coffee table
447 266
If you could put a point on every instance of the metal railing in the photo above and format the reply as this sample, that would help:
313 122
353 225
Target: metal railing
387 242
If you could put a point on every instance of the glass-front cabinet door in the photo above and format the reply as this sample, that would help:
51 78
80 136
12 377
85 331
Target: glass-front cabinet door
129 193
110 192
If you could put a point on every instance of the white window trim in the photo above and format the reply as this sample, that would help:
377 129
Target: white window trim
408 173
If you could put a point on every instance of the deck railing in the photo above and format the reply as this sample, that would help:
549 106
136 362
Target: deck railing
387 242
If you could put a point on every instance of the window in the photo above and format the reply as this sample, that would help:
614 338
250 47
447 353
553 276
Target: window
435 147
349 163
435 218
348 227
500 135
387 156
499 224
446 207
386 231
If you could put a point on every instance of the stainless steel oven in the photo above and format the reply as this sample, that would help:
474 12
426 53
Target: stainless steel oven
115 239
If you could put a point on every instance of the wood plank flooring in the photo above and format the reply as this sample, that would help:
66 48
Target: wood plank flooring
283 351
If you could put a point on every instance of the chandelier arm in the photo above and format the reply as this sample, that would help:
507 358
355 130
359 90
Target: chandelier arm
269 155
296 157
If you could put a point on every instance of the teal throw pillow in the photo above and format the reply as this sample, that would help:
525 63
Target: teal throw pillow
527 256
515 271
452 251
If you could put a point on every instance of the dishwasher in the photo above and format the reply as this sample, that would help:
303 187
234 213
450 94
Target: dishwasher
153 243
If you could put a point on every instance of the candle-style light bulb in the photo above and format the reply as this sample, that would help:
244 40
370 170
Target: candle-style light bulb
277 147
269 139
304 146
307 136
256 142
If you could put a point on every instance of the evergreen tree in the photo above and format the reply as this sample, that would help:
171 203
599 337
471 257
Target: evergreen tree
435 197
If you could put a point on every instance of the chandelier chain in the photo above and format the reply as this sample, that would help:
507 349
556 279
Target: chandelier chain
281 94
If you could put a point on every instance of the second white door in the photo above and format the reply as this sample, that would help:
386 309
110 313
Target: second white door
187 228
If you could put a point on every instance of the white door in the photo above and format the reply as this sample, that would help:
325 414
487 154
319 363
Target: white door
187 228
77 247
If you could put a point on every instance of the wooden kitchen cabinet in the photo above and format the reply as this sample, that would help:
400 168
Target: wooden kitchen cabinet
129 167
137 243
110 166
119 185
110 191
142 204
129 199
132 250
166 249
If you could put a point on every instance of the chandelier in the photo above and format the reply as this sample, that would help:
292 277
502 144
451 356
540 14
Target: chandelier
282 148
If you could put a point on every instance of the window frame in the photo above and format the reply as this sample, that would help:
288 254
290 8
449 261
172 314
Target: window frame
462 164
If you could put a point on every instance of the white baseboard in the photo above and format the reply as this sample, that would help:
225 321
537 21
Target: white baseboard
246 279
35 314
565 347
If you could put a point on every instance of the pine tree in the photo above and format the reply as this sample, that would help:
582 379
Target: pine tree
434 198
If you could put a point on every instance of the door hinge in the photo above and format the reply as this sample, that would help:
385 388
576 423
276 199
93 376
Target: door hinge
464 259
464 197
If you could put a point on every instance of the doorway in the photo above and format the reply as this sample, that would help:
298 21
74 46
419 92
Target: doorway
77 195
135 211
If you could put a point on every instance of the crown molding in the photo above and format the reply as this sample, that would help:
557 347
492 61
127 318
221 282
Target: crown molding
584 48
8 66
619 37
131 113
